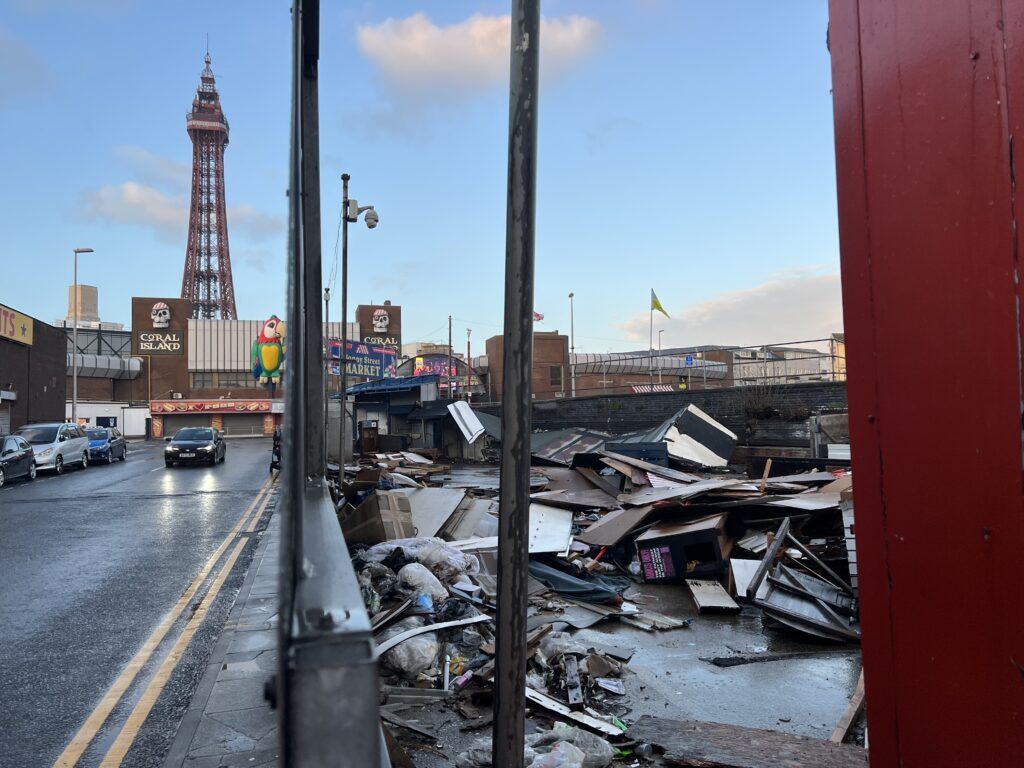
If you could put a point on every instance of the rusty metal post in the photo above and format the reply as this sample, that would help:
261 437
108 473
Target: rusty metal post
514 510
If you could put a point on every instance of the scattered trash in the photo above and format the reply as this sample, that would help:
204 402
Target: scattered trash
607 515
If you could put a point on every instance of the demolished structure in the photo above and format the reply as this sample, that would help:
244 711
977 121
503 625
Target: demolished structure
613 520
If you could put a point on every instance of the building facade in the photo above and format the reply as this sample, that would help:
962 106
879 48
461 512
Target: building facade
32 367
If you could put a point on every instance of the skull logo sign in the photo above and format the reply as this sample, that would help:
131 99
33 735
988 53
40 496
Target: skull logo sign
381 320
161 315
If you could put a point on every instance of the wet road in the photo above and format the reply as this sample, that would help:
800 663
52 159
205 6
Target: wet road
92 563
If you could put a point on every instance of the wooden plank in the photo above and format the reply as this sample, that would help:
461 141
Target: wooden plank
711 597
614 526
599 482
818 562
636 476
768 559
715 745
653 495
654 469
764 476
580 718
853 710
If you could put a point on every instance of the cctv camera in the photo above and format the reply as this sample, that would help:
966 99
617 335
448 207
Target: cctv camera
371 218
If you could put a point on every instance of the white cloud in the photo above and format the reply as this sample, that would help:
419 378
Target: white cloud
167 215
796 305
416 55
22 70
249 221
155 170
140 205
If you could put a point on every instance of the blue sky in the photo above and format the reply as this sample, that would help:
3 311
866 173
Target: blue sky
684 145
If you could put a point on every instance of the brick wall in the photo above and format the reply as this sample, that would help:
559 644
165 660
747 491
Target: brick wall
628 413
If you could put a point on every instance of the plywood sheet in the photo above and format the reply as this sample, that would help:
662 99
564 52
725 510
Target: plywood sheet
711 597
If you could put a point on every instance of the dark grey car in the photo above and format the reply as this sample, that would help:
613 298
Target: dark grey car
17 459
195 445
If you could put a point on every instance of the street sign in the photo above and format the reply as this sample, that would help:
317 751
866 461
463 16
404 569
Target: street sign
689 360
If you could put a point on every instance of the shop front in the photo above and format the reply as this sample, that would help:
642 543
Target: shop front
236 418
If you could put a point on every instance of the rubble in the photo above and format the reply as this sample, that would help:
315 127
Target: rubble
603 524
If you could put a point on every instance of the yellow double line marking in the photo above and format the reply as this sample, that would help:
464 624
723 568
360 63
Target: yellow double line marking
74 750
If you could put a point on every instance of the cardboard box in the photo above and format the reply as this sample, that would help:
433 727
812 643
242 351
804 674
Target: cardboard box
383 516
695 550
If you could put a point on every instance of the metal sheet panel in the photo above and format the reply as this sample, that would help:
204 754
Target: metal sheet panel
466 420
550 529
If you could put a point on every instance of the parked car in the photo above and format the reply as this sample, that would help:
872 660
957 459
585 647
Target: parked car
16 459
57 445
106 444
195 445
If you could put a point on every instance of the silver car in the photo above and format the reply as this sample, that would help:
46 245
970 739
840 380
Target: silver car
57 445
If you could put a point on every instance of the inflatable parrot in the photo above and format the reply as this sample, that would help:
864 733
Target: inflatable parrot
268 353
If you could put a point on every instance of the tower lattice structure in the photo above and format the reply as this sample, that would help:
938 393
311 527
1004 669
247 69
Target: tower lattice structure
207 279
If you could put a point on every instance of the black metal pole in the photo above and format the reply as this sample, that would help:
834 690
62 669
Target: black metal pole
293 465
514 510
343 396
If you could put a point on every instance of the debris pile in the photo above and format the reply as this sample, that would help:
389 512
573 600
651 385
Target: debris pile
664 507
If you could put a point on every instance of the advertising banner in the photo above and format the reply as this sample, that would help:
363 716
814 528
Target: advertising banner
15 326
368 361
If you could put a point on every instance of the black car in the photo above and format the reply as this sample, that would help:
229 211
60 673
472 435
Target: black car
195 445
17 459
106 444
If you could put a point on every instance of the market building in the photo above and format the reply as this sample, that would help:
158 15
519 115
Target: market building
199 372
32 366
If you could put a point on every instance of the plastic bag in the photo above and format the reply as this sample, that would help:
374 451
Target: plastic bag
562 755
417 579
555 644
371 598
446 562
410 657
479 754
597 753
382 578
455 608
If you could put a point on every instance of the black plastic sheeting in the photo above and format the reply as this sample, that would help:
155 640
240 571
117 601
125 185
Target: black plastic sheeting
595 589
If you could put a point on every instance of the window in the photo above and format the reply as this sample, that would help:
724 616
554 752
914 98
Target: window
555 373
10 445
236 380
202 380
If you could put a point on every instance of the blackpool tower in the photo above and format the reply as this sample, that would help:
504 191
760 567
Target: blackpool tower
207 279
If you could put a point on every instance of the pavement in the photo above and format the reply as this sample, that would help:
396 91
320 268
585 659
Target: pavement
229 722
108 573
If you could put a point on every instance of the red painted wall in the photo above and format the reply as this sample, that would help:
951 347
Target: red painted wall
928 97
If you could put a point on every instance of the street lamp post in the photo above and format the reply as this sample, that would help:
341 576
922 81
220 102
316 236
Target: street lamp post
572 345
74 342
350 212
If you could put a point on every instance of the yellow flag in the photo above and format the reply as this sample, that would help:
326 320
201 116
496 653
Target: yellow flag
655 304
